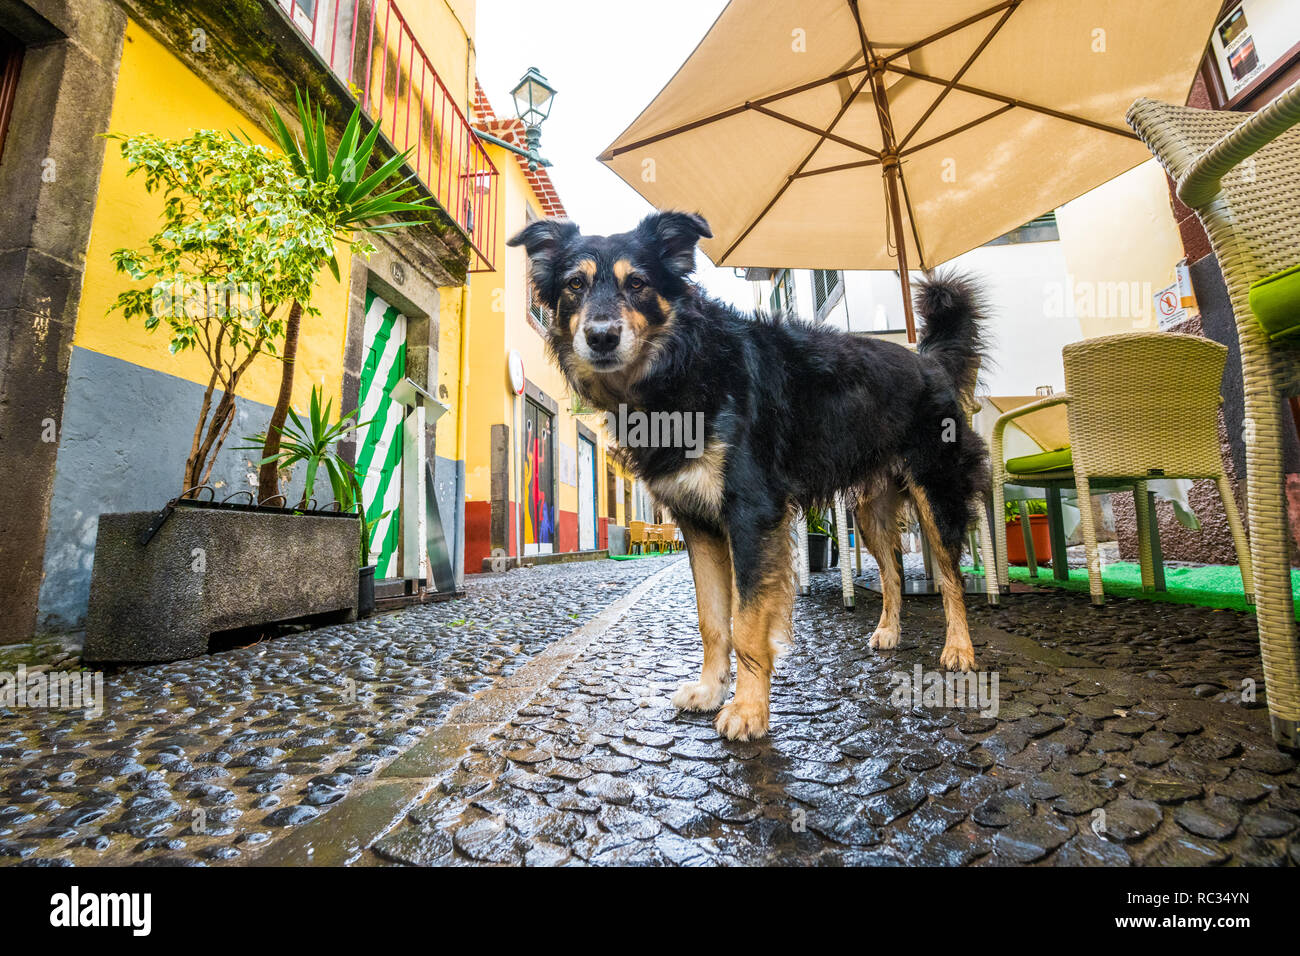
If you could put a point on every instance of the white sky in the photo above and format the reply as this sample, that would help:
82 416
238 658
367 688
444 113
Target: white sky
607 59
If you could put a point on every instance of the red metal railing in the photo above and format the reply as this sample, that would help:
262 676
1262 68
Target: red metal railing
370 45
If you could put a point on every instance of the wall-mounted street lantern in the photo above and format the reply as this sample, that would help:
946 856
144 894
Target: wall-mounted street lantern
533 97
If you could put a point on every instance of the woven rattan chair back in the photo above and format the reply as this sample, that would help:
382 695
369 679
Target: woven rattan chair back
1145 404
1252 221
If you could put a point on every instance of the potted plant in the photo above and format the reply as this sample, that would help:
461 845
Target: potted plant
819 540
348 493
1036 511
314 442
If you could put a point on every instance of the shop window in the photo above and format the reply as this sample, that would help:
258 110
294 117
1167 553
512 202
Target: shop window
828 288
781 301
11 61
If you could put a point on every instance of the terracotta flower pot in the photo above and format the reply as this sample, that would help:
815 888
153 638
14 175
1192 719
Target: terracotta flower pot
1038 530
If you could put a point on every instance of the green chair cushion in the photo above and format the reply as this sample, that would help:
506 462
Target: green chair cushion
1043 461
1275 300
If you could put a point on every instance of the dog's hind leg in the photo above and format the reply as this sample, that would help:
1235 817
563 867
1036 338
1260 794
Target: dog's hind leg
711 568
765 591
878 524
943 522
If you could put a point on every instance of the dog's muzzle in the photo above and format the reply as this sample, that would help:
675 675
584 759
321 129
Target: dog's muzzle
601 343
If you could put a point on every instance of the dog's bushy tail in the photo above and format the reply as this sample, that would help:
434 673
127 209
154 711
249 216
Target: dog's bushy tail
954 309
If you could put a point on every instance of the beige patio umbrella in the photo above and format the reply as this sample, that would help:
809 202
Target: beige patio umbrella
881 134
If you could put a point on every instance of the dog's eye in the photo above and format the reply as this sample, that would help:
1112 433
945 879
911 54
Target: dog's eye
636 283
576 284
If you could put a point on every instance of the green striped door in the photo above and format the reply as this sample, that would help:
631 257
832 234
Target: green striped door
379 452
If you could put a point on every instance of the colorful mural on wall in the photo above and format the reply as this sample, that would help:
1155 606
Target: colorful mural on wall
539 480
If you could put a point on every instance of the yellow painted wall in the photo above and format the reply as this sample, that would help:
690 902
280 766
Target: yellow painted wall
125 216
1122 232
445 29
498 324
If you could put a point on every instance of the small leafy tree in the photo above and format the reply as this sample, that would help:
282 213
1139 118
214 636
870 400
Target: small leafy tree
241 237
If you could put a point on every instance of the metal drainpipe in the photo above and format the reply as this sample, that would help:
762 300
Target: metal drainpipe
462 400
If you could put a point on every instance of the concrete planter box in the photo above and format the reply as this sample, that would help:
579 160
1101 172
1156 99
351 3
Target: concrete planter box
212 569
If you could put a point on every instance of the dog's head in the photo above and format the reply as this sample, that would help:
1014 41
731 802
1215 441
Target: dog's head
611 297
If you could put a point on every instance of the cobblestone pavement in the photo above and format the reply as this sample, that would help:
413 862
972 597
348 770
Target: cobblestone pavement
1122 736
213 759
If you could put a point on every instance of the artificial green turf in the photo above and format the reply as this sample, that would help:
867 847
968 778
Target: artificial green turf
1211 585
647 554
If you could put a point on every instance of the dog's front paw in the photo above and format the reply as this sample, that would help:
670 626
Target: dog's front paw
884 639
699 696
739 721
958 657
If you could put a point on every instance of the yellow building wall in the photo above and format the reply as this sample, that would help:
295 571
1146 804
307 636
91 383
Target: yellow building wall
445 29
1121 244
498 324
126 216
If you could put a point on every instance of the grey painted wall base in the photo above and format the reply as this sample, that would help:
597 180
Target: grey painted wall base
209 570
125 437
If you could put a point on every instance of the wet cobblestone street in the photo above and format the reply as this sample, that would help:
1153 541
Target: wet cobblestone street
212 759
1121 737
1134 751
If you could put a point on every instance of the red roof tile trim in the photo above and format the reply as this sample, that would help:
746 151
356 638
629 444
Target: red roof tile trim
512 131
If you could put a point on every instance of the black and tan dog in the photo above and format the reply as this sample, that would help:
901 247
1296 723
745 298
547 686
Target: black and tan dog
793 413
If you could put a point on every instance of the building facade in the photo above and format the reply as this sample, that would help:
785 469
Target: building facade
541 474
96 414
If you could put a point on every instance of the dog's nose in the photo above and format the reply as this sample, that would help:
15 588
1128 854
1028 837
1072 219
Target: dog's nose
603 337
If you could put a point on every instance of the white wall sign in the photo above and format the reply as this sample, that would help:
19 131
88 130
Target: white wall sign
1169 306
515 369
1251 37
568 465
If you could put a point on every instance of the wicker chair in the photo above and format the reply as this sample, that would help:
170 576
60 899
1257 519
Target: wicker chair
1250 214
636 537
1140 405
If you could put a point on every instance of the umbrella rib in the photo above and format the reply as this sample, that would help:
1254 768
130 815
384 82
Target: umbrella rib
911 218
736 110
943 94
947 31
824 133
960 129
844 108
1012 101
837 169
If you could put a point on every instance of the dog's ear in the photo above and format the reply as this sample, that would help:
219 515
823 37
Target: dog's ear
544 240
674 236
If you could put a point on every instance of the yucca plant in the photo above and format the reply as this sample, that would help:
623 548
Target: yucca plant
818 522
336 188
315 442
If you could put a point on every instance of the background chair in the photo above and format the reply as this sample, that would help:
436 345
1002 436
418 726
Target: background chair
1140 405
1241 174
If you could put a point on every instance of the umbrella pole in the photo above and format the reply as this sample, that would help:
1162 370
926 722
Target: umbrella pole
888 160
895 210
